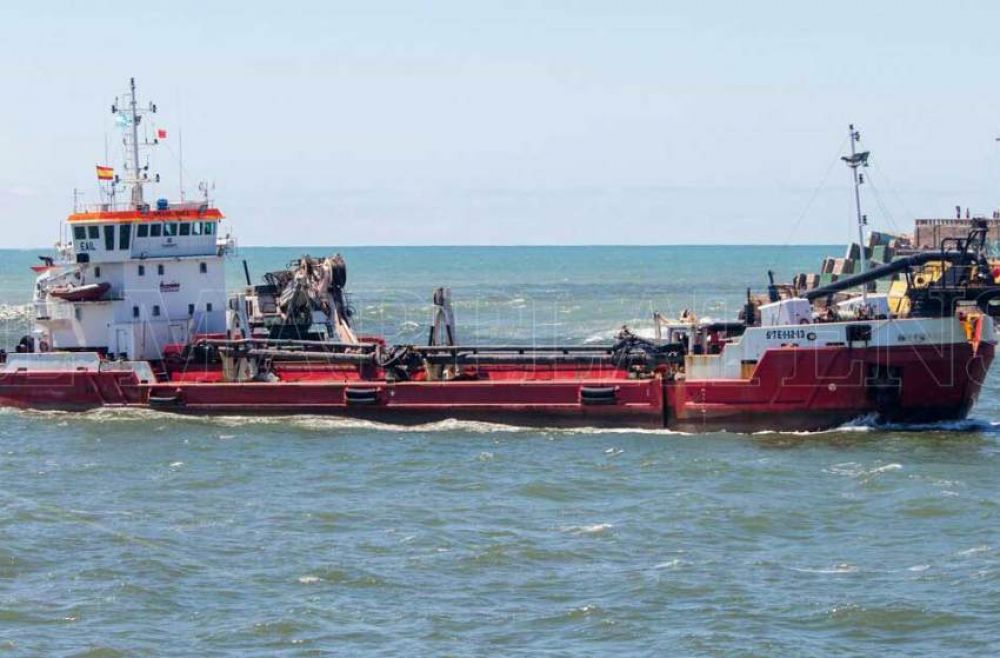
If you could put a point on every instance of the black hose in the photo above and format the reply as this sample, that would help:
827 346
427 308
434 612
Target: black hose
885 270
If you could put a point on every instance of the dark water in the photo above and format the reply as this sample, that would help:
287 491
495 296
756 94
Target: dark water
138 533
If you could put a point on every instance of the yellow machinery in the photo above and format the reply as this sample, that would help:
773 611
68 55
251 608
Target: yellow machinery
899 302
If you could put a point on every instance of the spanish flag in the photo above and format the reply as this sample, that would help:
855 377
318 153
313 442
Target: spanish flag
105 173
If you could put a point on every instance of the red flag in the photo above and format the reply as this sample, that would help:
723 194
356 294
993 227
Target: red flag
105 173
161 133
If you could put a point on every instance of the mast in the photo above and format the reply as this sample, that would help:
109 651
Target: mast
128 118
854 161
137 185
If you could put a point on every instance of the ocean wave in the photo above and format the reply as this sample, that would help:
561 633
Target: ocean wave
307 422
856 470
592 529
669 564
651 431
609 335
15 312
841 568
335 422
101 414
966 425
319 422
870 423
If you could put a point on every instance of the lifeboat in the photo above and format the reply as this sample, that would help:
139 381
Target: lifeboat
91 292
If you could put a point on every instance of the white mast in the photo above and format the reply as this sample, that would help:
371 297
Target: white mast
854 161
129 117
137 184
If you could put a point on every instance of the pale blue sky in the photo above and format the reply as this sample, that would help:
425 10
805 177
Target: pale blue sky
512 122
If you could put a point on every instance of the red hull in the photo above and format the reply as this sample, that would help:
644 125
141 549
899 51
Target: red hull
819 388
790 389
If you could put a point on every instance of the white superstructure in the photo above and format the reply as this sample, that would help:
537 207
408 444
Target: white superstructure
133 277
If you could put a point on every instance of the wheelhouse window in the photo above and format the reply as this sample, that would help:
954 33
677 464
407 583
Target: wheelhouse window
79 232
203 268
156 310
155 230
209 228
185 228
170 229
142 231
93 233
142 270
124 236
135 311
109 237
159 270
208 307
196 228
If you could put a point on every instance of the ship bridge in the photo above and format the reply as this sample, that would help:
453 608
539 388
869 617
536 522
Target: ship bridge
168 231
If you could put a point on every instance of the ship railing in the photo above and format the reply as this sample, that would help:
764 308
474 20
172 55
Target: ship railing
522 350
227 246
619 355
287 343
290 343
124 206
142 369
53 361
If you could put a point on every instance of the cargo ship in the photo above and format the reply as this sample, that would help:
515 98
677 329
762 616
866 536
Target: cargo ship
132 312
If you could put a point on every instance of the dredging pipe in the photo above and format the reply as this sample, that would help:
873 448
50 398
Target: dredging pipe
953 257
